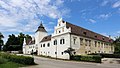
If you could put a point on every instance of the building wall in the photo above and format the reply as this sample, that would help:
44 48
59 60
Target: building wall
87 45
29 48
60 48
44 49
39 36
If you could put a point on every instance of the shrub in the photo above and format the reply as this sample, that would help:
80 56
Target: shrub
76 57
91 58
18 59
2 60
107 55
87 58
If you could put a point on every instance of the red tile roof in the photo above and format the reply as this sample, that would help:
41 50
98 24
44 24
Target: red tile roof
77 30
47 38
30 42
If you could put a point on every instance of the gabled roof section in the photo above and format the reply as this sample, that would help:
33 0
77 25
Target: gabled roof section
77 30
41 28
46 38
30 42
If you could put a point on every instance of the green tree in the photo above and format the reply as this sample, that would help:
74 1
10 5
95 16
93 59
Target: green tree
15 43
21 37
1 41
70 52
117 45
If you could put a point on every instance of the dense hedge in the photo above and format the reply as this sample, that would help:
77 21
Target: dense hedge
2 60
103 55
87 58
18 59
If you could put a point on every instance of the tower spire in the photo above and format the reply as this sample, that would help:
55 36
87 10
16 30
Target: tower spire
41 28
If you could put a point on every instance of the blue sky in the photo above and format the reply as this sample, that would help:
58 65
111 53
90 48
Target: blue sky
101 16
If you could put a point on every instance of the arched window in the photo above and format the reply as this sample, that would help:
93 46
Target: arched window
55 42
48 44
62 41
43 45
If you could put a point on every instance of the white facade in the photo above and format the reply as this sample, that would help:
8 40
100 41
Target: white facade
59 41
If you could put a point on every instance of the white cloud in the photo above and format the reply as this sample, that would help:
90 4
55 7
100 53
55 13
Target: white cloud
92 20
104 3
116 4
13 13
105 16
25 15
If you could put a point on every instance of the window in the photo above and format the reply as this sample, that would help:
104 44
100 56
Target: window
95 43
43 45
84 33
95 36
102 45
55 42
89 52
103 38
98 44
62 53
89 42
86 42
48 44
74 41
59 31
81 41
55 52
62 41
85 52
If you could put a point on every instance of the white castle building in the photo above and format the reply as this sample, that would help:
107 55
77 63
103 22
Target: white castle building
67 35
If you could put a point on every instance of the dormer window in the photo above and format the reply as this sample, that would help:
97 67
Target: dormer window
63 21
95 36
103 38
59 31
84 33
45 37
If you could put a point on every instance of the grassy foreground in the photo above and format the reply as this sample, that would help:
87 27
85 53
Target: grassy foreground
11 65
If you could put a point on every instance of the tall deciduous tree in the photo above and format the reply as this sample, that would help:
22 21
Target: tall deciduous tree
1 41
15 43
117 45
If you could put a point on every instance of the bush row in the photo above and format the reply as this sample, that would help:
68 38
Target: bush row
87 58
2 60
103 55
18 59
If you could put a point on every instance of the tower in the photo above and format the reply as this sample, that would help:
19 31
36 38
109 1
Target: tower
24 46
40 33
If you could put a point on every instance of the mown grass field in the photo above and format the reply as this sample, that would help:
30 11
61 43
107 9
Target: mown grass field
11 65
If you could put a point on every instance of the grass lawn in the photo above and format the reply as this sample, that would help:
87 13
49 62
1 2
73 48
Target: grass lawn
11 65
